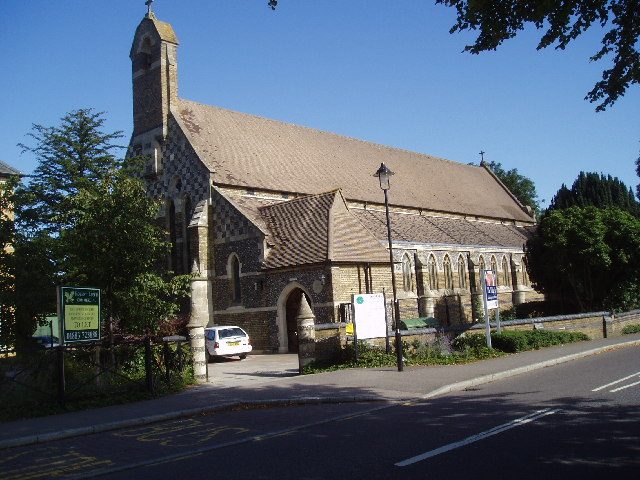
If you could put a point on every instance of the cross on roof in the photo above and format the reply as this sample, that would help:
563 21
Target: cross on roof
148 4
482 152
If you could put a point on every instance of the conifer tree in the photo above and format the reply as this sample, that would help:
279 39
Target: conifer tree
598 190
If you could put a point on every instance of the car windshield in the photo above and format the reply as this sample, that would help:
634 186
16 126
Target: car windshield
231 332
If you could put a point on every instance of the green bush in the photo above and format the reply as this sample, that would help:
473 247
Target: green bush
520 340
469 341
629 329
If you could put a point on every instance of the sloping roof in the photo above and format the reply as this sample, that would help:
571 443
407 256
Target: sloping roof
441 230
316 229
6 170
165 30
253 152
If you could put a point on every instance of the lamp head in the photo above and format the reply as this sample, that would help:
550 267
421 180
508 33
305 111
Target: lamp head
384 175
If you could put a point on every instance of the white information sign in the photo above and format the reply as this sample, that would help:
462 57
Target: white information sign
369 315
491 289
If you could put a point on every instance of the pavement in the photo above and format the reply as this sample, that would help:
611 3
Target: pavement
272 380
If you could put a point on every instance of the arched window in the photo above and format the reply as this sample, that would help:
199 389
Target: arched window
494 267
173 237
448 275
462 276
156 161
186 211
505 272
481 265
234 274
433 273
406 273
525 274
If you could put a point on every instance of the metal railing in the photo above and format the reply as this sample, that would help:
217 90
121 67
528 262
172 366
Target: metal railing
83 372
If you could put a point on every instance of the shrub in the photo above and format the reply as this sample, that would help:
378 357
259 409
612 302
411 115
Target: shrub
629 329
521 340
469 341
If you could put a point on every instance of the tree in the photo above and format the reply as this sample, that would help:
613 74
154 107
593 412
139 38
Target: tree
7 281
72 156
597 190
522 187
638 172
564 21
85 220
588 258
116 246
6 219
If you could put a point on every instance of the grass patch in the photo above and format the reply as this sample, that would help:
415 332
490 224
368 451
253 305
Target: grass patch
629 329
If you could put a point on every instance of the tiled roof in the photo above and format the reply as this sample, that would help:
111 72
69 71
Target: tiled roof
424 229
6 170
253 152
316 229
165 30
319 228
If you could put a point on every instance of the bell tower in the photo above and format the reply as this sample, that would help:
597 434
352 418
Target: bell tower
155 79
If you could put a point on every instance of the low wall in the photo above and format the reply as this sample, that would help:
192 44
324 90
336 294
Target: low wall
591 324
332 337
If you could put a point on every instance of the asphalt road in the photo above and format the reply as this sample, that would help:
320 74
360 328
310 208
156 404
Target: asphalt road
568 421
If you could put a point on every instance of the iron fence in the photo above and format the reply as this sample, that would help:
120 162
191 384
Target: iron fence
83 372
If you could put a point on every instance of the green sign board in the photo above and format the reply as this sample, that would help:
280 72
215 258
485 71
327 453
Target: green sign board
79 312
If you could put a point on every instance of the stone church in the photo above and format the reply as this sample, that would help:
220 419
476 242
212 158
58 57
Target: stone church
262 212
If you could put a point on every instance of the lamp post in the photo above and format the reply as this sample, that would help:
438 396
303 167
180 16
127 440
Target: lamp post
384 175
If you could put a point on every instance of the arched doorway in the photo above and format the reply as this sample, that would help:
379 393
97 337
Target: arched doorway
288 307
292 309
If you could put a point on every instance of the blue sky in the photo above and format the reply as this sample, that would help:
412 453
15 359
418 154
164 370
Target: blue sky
387 72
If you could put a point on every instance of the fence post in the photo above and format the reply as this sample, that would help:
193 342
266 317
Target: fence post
61 380
147 363
112 355
165 351
180 353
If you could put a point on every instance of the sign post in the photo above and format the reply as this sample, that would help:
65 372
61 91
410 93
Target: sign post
490 300
79 313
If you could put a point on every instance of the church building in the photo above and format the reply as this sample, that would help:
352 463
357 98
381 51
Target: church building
262 212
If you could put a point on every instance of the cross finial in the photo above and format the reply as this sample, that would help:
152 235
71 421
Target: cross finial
148 4
482 152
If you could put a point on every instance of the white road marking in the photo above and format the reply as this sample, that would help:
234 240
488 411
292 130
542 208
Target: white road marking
625 386
480 436
617 381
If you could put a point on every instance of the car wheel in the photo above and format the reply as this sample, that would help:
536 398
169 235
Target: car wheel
242 356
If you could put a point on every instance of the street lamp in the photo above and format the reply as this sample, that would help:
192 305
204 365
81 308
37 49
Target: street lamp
384 175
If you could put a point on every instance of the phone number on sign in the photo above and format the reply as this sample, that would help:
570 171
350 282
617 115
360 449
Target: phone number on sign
82 335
